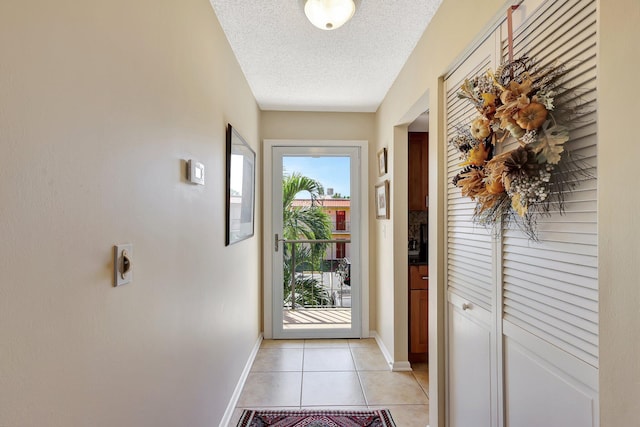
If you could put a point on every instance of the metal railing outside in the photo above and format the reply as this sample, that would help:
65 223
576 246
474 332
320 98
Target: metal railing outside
341 226
316 277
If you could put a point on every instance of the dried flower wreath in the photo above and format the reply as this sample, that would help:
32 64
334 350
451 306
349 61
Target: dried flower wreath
518 185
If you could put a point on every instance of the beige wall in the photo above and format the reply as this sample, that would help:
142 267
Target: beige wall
455 26
619 213
328 126
320 126
452 30
101 104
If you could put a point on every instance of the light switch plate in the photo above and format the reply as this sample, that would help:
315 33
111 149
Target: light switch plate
195 172
119 252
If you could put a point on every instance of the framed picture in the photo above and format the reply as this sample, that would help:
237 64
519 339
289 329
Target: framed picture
382 161
241 166
382 200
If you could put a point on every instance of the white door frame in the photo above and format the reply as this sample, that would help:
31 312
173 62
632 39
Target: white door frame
268 233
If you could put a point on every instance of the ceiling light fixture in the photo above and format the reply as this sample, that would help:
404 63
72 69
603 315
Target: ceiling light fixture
329 14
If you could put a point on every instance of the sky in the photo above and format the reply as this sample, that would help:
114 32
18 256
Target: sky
331 172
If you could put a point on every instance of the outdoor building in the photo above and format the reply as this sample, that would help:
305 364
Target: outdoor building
340 212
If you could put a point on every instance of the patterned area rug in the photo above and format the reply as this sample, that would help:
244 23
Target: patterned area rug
309 418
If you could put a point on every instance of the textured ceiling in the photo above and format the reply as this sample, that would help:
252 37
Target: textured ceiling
293 66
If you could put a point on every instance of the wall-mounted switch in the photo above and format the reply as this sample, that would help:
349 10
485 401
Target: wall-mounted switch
122 264
195 172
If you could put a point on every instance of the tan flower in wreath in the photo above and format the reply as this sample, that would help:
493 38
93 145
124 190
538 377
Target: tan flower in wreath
494 184
472 183
496 170
532 116
477 155
508 113
480 128
489 103
515 96
510 105
507 97
523 88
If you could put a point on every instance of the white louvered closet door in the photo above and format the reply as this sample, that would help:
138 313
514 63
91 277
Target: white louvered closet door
471 283
550 288
522 316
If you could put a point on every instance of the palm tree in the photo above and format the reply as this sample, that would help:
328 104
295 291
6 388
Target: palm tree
307 222
304 223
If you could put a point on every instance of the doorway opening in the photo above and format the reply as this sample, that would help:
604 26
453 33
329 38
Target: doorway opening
316 256
418 197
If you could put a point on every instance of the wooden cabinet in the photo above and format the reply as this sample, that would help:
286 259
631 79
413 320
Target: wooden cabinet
418 170
418 313
418 277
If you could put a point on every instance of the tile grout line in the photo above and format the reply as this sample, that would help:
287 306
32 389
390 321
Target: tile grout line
355 366
304 351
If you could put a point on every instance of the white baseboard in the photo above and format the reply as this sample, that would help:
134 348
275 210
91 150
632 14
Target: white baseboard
393 365
401 367
383 349
233 402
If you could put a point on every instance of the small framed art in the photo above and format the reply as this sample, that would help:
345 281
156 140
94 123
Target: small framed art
382 161
382 200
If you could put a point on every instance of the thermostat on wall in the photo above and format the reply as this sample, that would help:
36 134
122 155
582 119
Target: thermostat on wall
195 172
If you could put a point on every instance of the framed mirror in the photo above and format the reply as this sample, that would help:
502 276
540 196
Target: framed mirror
241 162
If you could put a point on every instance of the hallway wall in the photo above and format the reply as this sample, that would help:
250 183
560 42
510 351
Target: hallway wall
102 103
416 89
317 125
618 207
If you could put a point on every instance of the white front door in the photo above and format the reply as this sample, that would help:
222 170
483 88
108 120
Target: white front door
316 258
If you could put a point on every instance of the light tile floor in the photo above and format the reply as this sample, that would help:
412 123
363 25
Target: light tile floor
339 374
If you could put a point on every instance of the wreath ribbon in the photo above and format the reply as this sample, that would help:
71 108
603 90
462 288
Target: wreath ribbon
510 33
